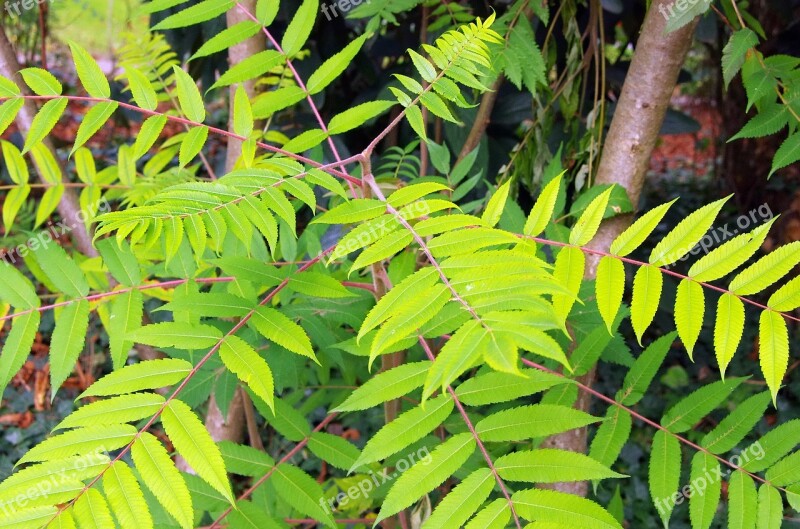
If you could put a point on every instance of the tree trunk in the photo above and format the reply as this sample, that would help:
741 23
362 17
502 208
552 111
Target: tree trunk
632 136
231 428
69 206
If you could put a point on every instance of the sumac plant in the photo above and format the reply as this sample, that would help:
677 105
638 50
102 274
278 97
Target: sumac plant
344 291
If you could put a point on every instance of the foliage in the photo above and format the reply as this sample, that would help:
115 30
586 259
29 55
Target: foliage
488 323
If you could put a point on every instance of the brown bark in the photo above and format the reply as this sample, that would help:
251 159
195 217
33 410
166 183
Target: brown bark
232 427
236 54
634 131
69 207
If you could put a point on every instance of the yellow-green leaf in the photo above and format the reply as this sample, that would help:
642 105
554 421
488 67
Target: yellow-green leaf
92 77
194 443
773 338
728 329
609 288
686 234
689 313
646 295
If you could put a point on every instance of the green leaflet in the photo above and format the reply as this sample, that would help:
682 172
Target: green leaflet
228 37
27 518
773 338
690 409
569 270
385 248
587 225
67 342
192 144
386 386
562 509
318 285
62 270
550 465
358 115
126 316
784 472
300 491
730 256
334 67
728 329
704 500
630 239
177 334
42 82
189 97
494 516
770 508
17 346
16 289
767 122
611 436
494 208
665 473
491 388
352 212
242 113
97 116
159 474
537 420
409 427
120 261
142 90
45 120
427 474
686 234
248 516
766 271
773 446
116 410
423 279
742 501
333 449
300 28
638 378
248 365
151 374
81 441
286 420
245 460
194 443
689 313
461 351
734 52
126 498
683 16
609 288
462 502
787 297
8 112
414 313
733 428
195 14
647 284
283 331
787 154
91 511
8 88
